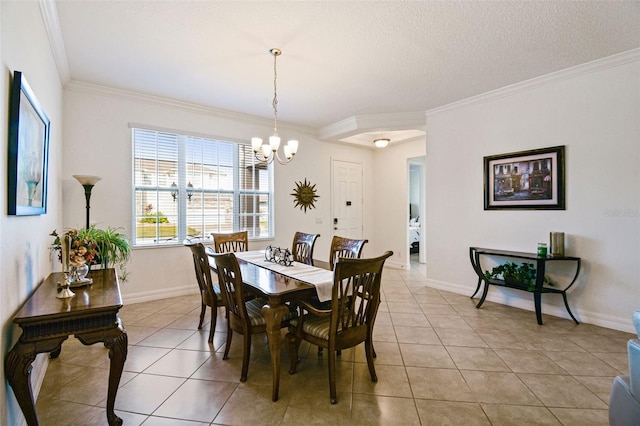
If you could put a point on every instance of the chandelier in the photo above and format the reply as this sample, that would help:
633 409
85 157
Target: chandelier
266 153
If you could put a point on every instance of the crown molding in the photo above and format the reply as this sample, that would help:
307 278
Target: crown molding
52 25
371 123
96 89
601 64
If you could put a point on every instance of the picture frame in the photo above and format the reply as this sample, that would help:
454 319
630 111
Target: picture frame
525 180
29 129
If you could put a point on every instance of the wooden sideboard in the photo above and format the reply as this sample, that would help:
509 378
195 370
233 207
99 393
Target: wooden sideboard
46 321
476 253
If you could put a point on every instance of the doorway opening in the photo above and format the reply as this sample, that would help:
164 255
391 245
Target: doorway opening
416 227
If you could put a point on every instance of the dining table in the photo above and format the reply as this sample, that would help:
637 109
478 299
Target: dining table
280 284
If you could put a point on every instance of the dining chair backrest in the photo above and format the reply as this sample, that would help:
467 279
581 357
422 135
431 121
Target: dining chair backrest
230 241
230 282
203 272
302 248
355 299
345 247
208 294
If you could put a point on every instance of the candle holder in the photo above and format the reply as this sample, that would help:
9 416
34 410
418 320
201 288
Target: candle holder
278 255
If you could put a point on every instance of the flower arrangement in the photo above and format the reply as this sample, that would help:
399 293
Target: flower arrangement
75 247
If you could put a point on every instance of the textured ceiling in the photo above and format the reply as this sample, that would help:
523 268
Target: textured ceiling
340 58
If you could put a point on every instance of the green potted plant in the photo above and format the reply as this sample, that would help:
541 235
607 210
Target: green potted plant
523 274
112 246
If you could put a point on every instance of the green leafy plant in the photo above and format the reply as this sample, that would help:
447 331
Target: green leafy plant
154 217
512 273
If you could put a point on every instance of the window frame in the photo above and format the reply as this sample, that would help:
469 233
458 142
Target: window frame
238 217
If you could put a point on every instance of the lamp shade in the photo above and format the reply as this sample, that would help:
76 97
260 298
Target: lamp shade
87 179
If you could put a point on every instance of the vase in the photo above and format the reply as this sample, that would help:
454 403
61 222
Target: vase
78 273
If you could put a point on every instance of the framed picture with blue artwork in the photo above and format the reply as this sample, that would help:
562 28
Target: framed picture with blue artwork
28 151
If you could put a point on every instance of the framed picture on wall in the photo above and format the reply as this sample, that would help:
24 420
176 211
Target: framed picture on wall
28 151
525 180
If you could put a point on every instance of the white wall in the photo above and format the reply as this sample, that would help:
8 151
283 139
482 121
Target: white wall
98 141
593 110
25 240
391 201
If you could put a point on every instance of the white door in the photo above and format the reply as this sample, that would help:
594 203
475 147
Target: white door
347 199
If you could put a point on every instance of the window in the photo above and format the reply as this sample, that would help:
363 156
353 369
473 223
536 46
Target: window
187 187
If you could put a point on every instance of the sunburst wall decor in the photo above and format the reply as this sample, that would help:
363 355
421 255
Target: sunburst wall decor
304 195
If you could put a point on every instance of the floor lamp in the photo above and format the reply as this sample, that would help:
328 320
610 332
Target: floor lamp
88 182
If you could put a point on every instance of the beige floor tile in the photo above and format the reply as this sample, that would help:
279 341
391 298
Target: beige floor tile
519 415
392 381
581 417
54 412
426 356
448 321
559 372
313 407
197 400
178 363
387 353
449 413
561 391
166 338
600 386
499 388
146 392
476 359
252 406
139 358
420 335
409 320
384 410
582 363
529 361
460 337
439 384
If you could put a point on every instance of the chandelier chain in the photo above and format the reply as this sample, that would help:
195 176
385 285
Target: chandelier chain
275 95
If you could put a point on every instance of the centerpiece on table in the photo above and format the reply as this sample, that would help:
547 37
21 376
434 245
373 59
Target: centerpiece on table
77 252
78 249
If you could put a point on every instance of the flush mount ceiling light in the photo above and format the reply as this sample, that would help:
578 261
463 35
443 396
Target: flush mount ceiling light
381 142
266 153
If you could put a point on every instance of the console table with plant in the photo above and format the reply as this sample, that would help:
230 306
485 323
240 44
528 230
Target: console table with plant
524 271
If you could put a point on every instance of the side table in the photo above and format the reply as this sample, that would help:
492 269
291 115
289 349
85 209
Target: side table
91 315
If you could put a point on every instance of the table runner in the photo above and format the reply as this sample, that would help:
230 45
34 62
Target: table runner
321 279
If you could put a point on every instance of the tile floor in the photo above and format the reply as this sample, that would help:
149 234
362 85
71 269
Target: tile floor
440 361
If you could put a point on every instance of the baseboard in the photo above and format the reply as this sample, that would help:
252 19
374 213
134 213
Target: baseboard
518 299
148 296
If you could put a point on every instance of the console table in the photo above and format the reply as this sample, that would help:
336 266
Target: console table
476 253
46 321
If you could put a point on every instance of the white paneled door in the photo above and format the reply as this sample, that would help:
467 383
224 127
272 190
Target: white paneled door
347 199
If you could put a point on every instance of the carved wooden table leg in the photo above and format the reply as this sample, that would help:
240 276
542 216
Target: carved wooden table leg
17 369
273 317
116 341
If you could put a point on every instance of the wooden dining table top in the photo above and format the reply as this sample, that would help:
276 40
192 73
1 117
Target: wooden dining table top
274 284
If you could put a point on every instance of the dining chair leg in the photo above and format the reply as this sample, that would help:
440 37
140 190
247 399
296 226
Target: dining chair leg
368 349
245 356
293 344
202 309
332 377
227 345
214 318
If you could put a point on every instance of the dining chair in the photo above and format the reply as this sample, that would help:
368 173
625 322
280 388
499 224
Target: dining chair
302 248
230 241
209 292
345 247
354 304
243 316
